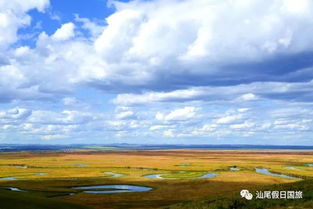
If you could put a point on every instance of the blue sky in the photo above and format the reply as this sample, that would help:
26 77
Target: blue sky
159 71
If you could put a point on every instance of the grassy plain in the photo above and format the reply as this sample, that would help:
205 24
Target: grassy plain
82 168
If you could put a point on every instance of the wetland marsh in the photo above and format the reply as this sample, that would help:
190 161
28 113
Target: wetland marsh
145 178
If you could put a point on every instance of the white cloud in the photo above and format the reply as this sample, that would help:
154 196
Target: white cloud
65 32
265 126
243 109
209 127
292 123
168 133
50 137
293 126
13 15
219 32
70 101
125 115
129 56
122 125
236 93
157 127
93 27
299 7
244 125
155 97
22 51
133 31
229 119
12 115
64 117
248 97
186 113
166 60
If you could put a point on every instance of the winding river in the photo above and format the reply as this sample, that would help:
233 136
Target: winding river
267 172
159 176
111 189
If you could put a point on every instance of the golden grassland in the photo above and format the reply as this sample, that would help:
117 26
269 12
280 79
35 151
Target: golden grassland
86 168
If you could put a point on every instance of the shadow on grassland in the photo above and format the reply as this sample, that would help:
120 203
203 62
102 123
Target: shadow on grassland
235 201
23 200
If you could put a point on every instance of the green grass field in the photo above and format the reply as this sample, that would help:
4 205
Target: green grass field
180 187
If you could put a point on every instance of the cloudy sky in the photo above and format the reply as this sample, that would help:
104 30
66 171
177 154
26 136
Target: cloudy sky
157 71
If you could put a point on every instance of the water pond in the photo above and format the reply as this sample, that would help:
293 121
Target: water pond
9 178
111 189
234 169
40 173
80 165
15 189
208 175
159 176
153 176
184 164
114 175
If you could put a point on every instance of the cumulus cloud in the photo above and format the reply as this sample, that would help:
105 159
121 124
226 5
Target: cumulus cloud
197 68
222 47
213 51
65 32
130 56
94 28
13 15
